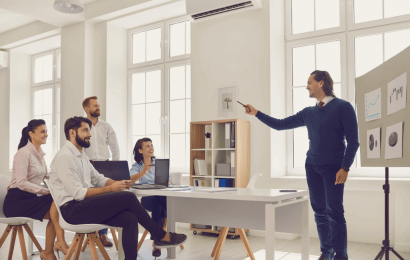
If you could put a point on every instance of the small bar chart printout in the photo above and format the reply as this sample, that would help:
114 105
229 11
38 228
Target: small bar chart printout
373 108
396 94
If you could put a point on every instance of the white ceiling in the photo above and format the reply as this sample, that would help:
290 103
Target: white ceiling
10 20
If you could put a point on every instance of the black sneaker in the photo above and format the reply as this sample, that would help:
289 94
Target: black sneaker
322 258
156 252
176 240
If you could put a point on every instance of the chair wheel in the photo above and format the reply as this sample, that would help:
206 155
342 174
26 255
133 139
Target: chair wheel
194 232
233 237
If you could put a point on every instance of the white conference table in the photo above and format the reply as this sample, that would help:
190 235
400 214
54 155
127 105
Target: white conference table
259 209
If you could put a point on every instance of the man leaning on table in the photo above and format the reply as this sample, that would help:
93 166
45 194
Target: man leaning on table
102 137
329 123
72 176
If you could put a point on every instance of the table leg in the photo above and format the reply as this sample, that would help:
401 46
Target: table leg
305 229
171 225
29 241
121 255
270 231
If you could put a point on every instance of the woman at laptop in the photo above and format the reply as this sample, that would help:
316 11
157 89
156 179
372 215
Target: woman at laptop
29 170
144 171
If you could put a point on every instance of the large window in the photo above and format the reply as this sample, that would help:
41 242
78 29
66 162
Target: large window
159 83
46 97
375 31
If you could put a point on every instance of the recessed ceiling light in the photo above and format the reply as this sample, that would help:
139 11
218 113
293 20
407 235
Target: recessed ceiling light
69 6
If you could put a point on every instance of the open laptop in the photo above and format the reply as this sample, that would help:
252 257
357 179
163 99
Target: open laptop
115 170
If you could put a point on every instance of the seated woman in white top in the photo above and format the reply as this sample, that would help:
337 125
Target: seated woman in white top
144 170
29 170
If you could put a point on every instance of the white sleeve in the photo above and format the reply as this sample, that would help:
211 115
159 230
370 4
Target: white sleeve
66 171
113 143
97 179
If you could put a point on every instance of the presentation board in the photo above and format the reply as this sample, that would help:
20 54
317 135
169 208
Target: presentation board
383 113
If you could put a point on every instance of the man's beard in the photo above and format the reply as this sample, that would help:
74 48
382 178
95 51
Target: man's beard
95 114
82 142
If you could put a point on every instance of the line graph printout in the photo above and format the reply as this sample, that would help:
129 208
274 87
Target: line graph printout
396 94
373 106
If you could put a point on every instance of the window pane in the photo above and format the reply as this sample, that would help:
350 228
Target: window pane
328 58
368 10
153 118
177 82
138 47
48 67
138 88
177 116
38 103
394 8
153 87
368 53
300 147
188 81
302 16
188 115
337 89
188 150
188 37
59 65
156 142
395 42
177 150
154 44
138 120
48 101
301 99
38 70
177 39
327 14
303 64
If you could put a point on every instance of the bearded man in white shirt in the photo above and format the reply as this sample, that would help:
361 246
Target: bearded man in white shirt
102 137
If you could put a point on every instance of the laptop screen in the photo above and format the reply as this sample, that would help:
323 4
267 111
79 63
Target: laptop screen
162 171
115 170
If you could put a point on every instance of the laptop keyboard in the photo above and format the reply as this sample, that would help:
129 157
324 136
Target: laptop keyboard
148 186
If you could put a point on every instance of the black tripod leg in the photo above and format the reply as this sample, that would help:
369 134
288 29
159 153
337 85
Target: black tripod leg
380 255
397 254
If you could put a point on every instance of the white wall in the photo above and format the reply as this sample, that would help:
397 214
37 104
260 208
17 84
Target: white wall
4 119
20 98
234 50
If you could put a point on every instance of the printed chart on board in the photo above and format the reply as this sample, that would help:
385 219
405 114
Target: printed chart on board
373 105
396 94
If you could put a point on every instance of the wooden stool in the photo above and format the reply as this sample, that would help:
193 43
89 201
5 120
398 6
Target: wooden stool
14 229
221 241
114 236
143 238
92 239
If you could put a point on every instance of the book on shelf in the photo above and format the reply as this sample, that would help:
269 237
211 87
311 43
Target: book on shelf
233 163
216 183
226 183
200 167
199 182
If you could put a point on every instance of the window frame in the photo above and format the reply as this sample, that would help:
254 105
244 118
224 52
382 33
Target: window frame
167 112
33 58
130 47
130 135
288 24
57 65
168 23
384 21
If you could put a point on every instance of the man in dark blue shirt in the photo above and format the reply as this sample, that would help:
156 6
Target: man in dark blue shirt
329 124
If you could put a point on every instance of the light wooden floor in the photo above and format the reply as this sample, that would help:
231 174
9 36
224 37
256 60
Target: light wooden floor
200 246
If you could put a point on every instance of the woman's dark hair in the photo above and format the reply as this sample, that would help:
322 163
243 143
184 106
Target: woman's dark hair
75 123
327 81
137 155
31 126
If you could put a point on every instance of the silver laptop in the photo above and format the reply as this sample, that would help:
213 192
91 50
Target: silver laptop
161 176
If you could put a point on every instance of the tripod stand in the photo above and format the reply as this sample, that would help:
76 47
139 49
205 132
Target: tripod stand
386 248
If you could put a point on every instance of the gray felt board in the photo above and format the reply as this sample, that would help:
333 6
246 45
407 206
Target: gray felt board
379 78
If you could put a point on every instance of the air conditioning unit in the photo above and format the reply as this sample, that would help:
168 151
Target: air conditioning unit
4 60
200 10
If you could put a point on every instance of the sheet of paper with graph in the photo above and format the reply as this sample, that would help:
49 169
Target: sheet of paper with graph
372 101
396 94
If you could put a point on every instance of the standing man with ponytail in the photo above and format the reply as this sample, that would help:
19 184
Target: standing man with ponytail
102 137
329 124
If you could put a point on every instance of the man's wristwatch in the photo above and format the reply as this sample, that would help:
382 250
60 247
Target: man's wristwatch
346 169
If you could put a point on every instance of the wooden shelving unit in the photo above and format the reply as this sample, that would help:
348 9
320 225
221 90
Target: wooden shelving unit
217 153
